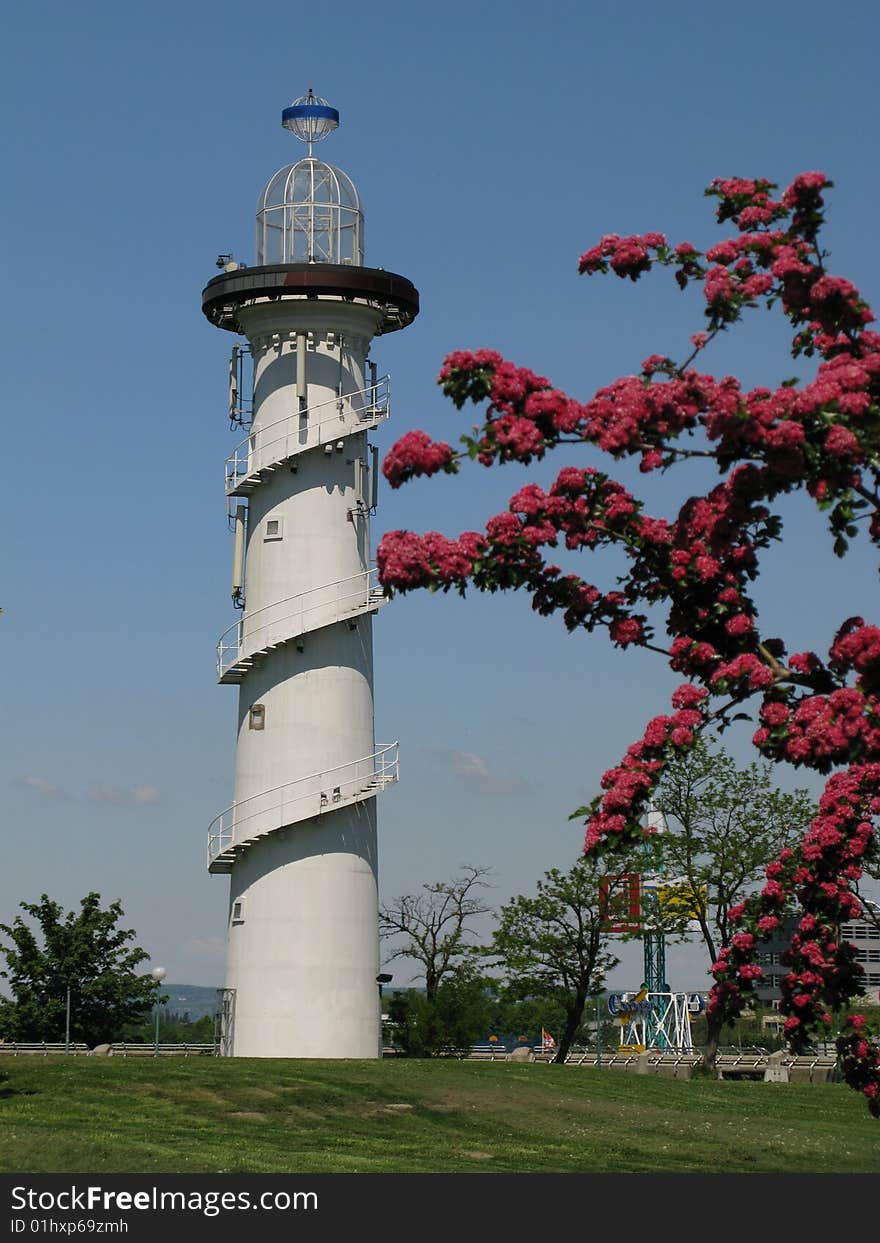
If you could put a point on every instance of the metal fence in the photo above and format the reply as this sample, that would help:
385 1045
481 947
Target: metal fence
42 1048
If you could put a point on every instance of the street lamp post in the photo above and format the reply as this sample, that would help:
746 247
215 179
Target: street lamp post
382 978
158 974
598 1034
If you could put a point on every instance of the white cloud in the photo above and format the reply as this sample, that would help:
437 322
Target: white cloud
475 772
47 788
144 794
101 793
104 794
465 764
135 796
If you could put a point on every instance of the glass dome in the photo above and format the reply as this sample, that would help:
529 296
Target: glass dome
310 212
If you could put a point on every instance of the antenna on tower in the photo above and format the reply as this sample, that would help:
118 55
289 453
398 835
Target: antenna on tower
310 119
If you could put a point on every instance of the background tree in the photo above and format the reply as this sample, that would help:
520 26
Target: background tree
82 951
724 826
456 1017
438 925
552 945
699 565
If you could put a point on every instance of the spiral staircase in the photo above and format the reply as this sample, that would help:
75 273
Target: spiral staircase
247 643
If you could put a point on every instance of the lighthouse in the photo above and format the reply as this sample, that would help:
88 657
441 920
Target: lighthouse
299 842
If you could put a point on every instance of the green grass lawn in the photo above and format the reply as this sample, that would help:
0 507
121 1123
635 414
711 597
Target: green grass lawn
91 1115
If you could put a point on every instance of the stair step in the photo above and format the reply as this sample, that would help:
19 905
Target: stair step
244 663
224 849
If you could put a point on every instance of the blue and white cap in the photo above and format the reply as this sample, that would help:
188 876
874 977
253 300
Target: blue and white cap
310 118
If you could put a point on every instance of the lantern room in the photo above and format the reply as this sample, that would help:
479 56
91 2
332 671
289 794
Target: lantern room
310 212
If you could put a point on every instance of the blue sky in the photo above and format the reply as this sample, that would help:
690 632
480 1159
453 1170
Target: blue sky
491 146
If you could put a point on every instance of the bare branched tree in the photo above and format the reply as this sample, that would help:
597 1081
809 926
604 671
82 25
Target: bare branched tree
866 891
435 923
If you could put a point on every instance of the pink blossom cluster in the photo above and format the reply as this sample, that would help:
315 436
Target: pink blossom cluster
820 730
583 508
525 415
469 360
856 648
814 716
860 1061
823 973
778 264
406 560
615 817
627 256
417 454
746 201
762 261
805 192
705 556
635 416
812 436
816 437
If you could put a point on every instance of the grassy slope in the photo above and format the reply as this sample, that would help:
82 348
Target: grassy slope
207 1115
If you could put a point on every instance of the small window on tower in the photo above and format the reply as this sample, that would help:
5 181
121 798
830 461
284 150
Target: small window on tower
257 717
274 528
238 912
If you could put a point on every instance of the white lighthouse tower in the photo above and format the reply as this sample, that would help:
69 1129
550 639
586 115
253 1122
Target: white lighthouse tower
299 841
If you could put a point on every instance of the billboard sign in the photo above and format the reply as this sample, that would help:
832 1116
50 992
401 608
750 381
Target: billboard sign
620 902
624 1005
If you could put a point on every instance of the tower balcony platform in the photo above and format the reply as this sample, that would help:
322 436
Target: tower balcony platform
245 643
394 297
268 448
254 818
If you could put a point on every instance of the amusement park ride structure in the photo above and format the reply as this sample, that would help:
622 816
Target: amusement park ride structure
654 1017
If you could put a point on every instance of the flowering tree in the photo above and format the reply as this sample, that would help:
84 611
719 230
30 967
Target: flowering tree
700 566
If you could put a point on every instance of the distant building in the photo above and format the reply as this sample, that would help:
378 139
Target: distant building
865 936
862 933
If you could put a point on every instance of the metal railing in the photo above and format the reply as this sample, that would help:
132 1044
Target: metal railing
276 442
301 799
42 1048
285 619
163 1050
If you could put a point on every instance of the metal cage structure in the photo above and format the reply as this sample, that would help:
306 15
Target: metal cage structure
310 212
